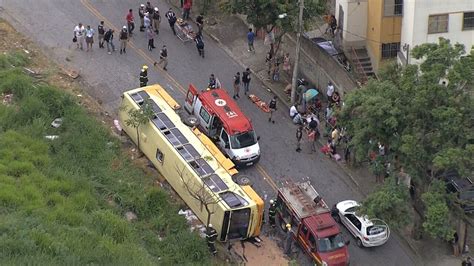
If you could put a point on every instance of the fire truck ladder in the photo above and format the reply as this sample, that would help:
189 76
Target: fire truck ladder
298 193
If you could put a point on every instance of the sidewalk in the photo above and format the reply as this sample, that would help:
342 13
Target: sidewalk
230 33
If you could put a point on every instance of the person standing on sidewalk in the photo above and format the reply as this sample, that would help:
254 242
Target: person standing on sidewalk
272 105
108 38
89 38
79 33
144 76
171 16
123 37
250 39
187 9
163 58
246 80
150 35
101 32
156 20
141 14
236 86
299 136
330 91
130 22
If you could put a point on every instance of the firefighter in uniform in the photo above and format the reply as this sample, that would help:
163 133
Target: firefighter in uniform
211 236
272 213
144 76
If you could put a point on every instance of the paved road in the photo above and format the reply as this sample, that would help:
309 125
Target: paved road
50 23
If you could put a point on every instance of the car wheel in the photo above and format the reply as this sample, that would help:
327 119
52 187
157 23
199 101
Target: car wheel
359 243
191 121
282 224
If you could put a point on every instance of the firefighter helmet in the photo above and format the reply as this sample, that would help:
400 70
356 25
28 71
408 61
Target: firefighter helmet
271 201
288 226
145 67
210 225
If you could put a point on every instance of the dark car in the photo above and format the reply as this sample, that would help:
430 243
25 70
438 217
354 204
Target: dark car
463 187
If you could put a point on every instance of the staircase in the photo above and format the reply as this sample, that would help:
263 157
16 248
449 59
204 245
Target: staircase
361 60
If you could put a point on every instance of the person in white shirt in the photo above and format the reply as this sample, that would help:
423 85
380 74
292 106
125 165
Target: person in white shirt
329 91
293 111
79 33
89 38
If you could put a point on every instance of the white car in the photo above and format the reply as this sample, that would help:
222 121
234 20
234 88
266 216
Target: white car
368 232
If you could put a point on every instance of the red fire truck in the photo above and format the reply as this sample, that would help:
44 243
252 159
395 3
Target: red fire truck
313 227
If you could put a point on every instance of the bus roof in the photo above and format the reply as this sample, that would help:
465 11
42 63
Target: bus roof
224 107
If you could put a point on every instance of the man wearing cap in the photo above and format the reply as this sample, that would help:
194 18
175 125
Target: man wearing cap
123 37
156 20
144 76
272 213
141 14
211 236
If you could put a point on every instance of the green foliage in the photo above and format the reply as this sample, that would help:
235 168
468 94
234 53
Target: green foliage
390 203
426 125
140 117
264 13
62 202
437 216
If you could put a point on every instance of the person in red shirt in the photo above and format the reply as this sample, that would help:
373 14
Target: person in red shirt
130 21
187 8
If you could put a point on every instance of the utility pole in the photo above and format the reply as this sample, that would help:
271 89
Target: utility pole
297 56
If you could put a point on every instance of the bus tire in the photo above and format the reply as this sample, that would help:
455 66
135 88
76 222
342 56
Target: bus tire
243 180
191 121
282 224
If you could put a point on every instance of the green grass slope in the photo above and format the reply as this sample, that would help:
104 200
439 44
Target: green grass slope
63 201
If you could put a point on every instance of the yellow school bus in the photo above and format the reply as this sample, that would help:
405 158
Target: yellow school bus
192 165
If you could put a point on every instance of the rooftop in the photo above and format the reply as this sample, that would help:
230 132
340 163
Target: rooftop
304 199
224 107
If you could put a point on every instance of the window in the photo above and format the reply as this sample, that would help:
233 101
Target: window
159 156
392 8
205 115
312 241
438 23
390 50
468 21
354 220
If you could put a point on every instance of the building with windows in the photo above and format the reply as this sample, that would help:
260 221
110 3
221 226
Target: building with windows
371 24
424 21
388 29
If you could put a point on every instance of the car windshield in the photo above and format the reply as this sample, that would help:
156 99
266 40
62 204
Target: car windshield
243 140
330 243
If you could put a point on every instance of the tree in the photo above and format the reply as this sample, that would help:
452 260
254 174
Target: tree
389 203
437 216
140 117
199 192
264 13
421 113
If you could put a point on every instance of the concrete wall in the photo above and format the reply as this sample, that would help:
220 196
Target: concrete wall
318 67
355 22
415 22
